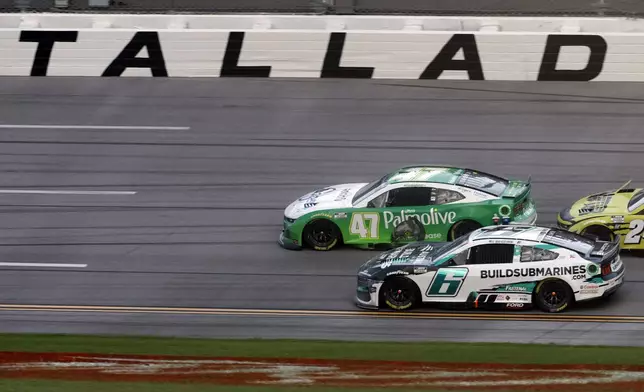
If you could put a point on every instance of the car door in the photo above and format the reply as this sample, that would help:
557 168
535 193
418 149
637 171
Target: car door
467 271
406 213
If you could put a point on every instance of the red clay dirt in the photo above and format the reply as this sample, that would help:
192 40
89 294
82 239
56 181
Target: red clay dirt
313 372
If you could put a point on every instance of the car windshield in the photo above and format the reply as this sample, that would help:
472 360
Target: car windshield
483 182
567 239
368 188
432 257
636 201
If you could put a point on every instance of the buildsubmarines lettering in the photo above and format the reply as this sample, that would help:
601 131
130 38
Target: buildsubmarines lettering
532 272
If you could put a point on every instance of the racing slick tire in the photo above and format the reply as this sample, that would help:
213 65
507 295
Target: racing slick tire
462 228
399 293
603 233
553 295
322 234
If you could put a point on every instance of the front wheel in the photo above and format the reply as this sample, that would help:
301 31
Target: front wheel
553 295
322 235
399 293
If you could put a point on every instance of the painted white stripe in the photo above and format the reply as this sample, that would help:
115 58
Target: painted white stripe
133 127
43 265
59 192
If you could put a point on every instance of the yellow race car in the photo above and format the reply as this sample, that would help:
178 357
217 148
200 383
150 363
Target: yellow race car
609 214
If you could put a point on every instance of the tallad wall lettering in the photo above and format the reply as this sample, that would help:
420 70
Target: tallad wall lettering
321 54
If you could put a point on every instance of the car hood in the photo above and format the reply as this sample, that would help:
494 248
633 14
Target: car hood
417 254
331 197
604 203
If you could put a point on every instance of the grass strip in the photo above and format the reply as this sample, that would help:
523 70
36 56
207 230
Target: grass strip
321 349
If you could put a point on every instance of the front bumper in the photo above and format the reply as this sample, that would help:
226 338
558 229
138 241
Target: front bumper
367 293
565 219
288 243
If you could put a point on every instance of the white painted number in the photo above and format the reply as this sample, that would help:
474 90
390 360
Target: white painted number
635 235
358 225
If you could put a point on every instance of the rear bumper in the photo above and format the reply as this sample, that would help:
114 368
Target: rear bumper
614 285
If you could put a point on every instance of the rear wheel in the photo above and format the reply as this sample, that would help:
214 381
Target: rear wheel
601 232
553 295
322 235
462 228
399 293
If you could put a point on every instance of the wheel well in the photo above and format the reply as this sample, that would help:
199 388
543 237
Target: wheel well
309 224
419 294
595 229
449 233
536 287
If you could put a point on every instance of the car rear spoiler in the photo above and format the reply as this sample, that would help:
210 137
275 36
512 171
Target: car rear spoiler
606 250
517 189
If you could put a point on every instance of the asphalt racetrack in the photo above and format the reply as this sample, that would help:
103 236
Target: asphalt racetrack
188 180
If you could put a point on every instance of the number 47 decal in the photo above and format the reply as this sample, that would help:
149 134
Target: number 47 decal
635 235
358 224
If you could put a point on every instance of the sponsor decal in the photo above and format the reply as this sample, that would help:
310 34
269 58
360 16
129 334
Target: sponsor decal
433 217
532 272
515 288
398 256
343 195
420 270
309 205
514 305
398 272
312 197
617 218
433 236
340 215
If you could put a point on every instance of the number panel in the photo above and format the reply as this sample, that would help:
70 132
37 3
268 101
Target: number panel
636 229
447 282
366 225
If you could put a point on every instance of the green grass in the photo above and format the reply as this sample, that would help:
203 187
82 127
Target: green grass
430 351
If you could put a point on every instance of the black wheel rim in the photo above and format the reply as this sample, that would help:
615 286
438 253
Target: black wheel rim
554 295
398 296
322 235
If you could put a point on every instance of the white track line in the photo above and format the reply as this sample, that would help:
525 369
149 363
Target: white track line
55 192
43 265
107 127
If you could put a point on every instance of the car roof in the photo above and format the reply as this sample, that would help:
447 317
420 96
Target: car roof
511 232
436 174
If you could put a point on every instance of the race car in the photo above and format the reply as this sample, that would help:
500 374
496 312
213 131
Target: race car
497 267
415 203
609 215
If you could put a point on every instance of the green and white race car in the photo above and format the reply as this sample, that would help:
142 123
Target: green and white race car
416 203
498 267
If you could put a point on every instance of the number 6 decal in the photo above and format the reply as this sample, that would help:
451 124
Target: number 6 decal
635 235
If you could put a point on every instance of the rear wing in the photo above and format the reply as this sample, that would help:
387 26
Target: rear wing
606 250
517 189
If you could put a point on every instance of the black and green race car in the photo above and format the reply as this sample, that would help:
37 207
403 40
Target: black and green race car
415 203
